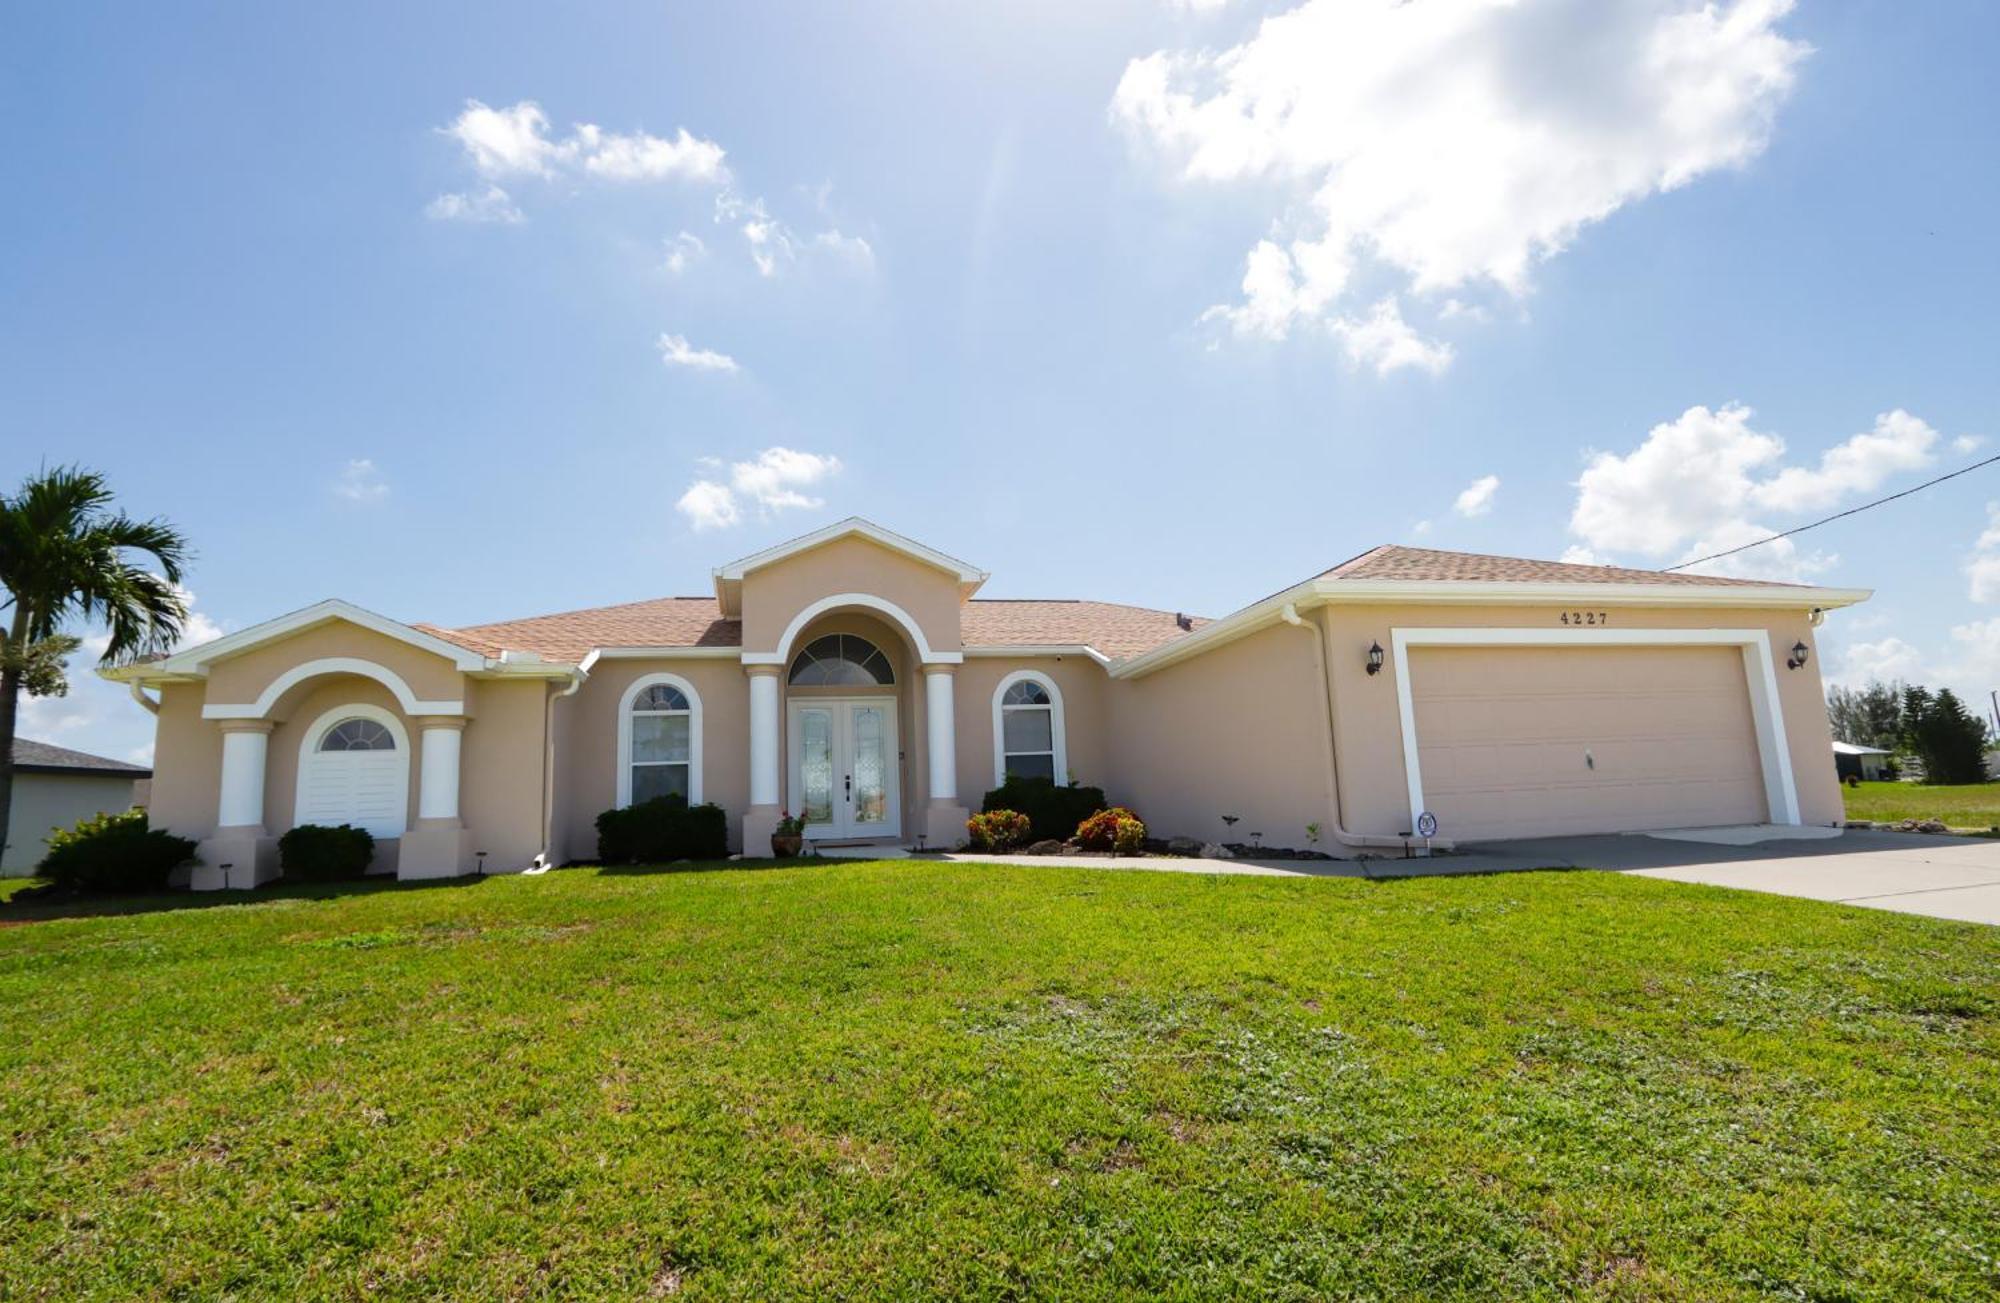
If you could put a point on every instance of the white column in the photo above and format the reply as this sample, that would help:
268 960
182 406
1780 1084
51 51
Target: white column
943 732
763 736
437 784
245 743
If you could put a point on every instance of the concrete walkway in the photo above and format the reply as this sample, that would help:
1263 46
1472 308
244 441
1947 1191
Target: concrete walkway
1910 873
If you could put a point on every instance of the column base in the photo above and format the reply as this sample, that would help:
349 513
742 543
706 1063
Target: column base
235 859
944 825
759 822
434 848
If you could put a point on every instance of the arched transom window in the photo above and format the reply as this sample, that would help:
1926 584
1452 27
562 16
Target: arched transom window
1028 737
659 750
358 735
841 660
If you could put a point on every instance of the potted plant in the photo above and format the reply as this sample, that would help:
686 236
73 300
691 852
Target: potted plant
789 837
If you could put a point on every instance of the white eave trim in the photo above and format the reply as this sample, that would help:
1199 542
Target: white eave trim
1394 592
662 653
1036 651
196 660
853 526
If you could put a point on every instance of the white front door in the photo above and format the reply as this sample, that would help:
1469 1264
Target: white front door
845 770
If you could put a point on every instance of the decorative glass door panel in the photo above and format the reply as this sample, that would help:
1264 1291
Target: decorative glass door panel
816 762
845 767
870 768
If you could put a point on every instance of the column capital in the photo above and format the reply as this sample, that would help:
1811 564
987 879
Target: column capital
940 668
245 725
436 723
761 671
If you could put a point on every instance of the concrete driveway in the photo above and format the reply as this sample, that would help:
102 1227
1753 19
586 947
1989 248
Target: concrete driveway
1911 873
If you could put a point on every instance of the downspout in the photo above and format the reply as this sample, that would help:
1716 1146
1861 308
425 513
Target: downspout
1290 615
541 862
139 695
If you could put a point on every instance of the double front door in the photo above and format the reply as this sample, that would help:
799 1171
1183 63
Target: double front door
845 775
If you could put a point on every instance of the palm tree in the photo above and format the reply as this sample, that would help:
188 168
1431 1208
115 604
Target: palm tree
63 557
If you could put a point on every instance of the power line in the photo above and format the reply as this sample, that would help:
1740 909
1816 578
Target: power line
1838 515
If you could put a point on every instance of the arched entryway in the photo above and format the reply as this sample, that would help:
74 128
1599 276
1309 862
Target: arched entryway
846 727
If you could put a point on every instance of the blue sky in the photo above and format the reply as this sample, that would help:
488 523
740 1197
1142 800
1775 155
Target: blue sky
465 312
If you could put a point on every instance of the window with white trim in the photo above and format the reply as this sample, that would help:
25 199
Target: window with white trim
1029 731
660 757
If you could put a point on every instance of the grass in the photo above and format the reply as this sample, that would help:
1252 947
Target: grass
919 1080
1973 805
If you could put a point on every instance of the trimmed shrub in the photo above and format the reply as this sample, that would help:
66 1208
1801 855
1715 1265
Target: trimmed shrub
661 831
1129 838
997 830
113 852
1053 812
1100 831
315 852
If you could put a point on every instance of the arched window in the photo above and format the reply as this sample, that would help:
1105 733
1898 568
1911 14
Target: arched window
841 660
659 741
1028 739
354 767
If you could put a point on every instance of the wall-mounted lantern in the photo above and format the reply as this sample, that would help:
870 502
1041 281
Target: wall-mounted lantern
1375 658
1798 656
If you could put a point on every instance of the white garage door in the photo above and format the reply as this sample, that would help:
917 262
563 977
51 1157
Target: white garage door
1547 741
356 769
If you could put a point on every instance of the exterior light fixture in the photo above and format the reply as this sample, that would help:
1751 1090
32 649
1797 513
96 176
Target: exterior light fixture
1798 656
1375 658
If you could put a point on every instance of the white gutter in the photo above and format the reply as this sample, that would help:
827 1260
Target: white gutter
1038 650
1289 613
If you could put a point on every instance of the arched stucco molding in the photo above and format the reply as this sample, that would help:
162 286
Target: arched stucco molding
291 678
639 685
1057 725
853 601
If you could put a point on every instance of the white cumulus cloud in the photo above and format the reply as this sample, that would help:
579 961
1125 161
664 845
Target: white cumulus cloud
490 205
1983 569
360 481
774 480
1384 341
1448 143
1708 481
676 351
1477 499
775 246
683 251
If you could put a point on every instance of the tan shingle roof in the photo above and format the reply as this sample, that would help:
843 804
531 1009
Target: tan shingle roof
1392 561
569 636
1113 629
1117 631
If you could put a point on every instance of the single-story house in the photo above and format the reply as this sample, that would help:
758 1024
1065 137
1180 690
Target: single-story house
856 677
1851 760
54 787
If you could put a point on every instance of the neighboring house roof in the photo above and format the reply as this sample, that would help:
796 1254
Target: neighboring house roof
683 622
1850 749
32 757
1393 561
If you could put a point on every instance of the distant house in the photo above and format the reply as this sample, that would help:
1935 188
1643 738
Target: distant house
1869 764
53 788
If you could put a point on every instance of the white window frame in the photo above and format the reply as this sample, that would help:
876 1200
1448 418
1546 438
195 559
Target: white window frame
1059 730
309 746
632 692
1781 793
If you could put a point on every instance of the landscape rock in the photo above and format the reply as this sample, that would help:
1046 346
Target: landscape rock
1183 846
1044 847
1216 851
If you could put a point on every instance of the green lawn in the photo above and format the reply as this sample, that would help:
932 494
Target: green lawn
1975 805
918 1080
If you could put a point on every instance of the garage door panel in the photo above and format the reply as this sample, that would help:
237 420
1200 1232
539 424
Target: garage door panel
1525 741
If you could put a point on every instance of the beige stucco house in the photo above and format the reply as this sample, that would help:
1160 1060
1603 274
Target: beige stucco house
856 676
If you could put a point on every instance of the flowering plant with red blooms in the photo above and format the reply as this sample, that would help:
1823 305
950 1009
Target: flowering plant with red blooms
790 825
1100 831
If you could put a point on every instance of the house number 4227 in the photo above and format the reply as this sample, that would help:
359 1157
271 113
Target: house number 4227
1586 617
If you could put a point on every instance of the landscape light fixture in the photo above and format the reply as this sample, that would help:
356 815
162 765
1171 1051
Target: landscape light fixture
1375 658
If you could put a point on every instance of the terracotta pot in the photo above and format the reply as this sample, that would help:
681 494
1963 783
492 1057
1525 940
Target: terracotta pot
786 847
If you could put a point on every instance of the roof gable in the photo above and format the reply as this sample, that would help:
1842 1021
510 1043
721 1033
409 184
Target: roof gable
729 578
1431 565
194 661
